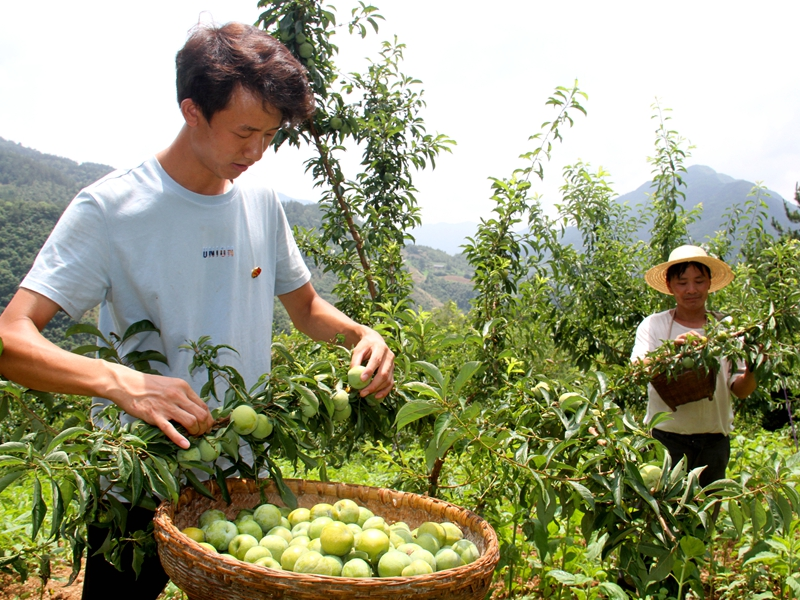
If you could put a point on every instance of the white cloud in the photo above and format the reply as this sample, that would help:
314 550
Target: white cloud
94 81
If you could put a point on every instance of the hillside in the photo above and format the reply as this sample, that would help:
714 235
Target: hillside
35 188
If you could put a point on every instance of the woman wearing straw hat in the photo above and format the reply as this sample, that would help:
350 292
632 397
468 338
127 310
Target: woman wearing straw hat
698 430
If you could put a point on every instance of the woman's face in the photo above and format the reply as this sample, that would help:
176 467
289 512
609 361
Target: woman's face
690 289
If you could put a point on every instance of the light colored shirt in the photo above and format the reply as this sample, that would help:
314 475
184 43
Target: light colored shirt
703 416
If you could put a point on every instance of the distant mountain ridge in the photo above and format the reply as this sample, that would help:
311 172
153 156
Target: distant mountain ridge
716 192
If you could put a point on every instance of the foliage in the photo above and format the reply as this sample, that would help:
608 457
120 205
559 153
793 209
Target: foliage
91 472
367 216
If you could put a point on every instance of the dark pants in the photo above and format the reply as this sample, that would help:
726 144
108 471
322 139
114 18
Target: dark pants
103 581
709 450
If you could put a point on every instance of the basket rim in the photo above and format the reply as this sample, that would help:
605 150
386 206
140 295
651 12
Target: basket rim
165 528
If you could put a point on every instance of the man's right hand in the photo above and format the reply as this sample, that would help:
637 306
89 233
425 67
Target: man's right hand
160 400
31 360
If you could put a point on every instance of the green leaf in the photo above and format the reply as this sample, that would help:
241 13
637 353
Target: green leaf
58 509
140 327
431 371
737 518
196 484
413 411
10 478
758 515
584 493
14 447
423 389
137 479
692 547
85 328
39 509
467 371
167 478
65 435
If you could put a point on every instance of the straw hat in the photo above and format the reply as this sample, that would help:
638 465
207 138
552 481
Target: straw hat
721 274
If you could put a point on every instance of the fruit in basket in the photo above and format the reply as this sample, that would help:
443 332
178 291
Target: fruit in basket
323 509
335 564
372 541
240 544
363 514
429 542
267 516
208 547
447 558
281 531
423 554
417 567
687 362
250 527
376 523
194 533
244 419
392 563
467 550
317 525
452 533
329 545
275 544
220 533
433 529
336 538
312 562
256 553
290 556
354 378
356 567
269 562
299 515
347 510
209 516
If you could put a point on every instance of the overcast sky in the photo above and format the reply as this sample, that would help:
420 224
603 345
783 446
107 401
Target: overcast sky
93 80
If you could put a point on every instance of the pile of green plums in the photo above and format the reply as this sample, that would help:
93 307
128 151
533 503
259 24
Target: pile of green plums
341 539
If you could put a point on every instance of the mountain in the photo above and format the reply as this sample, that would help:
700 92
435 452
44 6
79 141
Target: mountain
447 237
716 193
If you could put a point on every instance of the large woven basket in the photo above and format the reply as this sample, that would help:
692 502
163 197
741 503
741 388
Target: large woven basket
688 386
204 575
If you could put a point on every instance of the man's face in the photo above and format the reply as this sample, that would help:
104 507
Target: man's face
690 289
235 138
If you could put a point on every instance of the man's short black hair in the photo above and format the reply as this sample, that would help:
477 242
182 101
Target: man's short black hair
216 60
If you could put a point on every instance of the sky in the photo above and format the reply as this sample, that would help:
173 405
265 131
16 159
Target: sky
93 81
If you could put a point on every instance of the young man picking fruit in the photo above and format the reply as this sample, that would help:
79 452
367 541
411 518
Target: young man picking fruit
698 430
176 240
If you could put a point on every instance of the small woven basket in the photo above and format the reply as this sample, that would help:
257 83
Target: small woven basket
204 575
688 386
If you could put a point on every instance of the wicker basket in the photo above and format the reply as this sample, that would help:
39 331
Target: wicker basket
204 575
688 386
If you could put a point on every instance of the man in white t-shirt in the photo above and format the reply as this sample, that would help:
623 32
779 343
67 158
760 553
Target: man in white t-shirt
698 430
178 241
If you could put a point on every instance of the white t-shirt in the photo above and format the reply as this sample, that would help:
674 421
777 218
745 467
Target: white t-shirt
703 416
143 247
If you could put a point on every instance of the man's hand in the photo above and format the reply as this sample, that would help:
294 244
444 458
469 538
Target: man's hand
380 363
319 320
160 400
32 361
